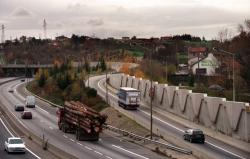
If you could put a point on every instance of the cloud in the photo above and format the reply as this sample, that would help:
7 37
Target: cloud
95 22
21 13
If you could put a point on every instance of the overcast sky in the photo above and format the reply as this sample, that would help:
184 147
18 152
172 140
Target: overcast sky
117 18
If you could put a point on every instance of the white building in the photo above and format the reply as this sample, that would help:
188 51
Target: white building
206 66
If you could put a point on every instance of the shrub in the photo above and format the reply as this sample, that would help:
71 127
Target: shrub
91 92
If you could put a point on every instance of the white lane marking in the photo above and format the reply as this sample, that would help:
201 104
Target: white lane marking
88 148
51 127
19 120
42 109
118 147
108 157
80 144
227 151
13 136
65 136
20 96
72 140
163 121
98 152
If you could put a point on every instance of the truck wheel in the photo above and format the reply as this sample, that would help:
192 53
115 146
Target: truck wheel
64 128
77 135
190 140
60 126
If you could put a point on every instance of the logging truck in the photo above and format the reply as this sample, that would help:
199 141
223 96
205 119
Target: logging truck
85 122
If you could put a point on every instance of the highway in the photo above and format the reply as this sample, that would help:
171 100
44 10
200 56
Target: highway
6 133
44 122
215 148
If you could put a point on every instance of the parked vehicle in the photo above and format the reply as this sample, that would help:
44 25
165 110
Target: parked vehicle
194 135
11 91
22 80
129 98
26 115
80 119
14 144
19 107
30 101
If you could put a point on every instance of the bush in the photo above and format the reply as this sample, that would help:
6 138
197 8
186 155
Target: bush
91 92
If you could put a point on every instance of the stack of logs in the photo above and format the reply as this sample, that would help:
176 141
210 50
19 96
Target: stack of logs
83 116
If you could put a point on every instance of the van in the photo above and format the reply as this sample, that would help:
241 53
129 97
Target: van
30 101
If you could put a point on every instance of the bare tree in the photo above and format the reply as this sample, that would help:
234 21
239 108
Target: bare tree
247 23
223 35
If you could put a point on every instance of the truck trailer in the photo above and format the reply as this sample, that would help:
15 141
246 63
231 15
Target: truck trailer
85 122
129 98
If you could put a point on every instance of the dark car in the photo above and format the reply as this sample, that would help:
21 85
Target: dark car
26 115
11 91
194 135
22 80
19 107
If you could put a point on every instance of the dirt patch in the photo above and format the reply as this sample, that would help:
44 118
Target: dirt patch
119 120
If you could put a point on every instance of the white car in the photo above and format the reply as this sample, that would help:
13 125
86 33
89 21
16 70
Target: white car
14 144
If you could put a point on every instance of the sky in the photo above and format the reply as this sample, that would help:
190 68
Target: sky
118 18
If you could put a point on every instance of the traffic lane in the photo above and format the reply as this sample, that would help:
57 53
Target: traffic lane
39 126
212 148
211 142
105 148
20 88
142 115
108 147
118 140
6 79
4 135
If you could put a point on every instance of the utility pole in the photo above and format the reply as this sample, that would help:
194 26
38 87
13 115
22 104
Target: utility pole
233 78
166 69
198 72
151 94
88 60
106 71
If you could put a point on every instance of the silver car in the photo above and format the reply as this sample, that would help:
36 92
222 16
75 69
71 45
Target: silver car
14 144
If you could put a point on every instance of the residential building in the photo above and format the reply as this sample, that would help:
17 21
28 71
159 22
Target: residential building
206 66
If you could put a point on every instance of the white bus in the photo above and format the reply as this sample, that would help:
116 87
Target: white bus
129 98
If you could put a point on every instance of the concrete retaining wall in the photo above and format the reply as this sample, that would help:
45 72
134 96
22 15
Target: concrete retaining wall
228 117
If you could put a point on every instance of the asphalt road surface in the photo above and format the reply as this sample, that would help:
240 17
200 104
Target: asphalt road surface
214 147
4 135
44 122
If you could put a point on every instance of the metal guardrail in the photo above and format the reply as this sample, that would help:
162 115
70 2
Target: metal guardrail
168 146
53 104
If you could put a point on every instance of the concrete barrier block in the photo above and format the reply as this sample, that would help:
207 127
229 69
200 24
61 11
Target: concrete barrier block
196 101
213 104
234 111
183 95
171 94
159 94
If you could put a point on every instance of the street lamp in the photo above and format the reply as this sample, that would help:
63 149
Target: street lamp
232 54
